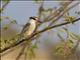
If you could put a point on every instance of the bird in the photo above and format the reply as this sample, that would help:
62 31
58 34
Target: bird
30 27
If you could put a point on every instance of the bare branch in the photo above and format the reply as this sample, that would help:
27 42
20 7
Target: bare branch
64 10
21 52
57 12
4 6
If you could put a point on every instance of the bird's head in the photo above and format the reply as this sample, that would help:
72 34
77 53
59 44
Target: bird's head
35 19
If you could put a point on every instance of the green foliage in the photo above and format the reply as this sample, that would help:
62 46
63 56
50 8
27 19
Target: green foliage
38 1
5 27
68 18
30 53
14 22
30 50
64 48
4 4
5 1
1 10
9 41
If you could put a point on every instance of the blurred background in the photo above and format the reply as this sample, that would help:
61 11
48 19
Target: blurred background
18 12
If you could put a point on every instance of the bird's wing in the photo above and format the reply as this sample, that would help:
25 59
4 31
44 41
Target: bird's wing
25 28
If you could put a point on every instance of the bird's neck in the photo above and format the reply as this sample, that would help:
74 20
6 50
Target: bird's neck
32 22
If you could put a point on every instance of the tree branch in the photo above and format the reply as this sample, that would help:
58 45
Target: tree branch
57 12
64 10
4 5
48 28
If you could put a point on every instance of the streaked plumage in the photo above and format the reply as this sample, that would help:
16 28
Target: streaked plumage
29 28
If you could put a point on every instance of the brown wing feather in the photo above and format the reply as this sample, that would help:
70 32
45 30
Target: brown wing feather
25 28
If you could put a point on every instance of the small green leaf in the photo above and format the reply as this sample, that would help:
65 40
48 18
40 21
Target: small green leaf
5 27
14 22
35 46
5 1
71 41
69 19
32 52
75 36
58 48
5 41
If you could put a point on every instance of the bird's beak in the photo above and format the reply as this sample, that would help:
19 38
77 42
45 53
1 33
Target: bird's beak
39 21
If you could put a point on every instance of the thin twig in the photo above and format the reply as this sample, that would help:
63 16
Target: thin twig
40 10
3 7
21 52
63 12
56 12
75 47
73 50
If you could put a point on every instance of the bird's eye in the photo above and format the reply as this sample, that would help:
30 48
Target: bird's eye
32 18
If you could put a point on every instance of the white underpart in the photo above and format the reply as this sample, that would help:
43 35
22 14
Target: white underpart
31 28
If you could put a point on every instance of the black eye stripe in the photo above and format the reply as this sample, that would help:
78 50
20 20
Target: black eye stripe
32 18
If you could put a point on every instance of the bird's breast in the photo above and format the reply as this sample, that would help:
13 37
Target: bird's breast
30 30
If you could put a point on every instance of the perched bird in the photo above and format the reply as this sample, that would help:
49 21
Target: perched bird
29 27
